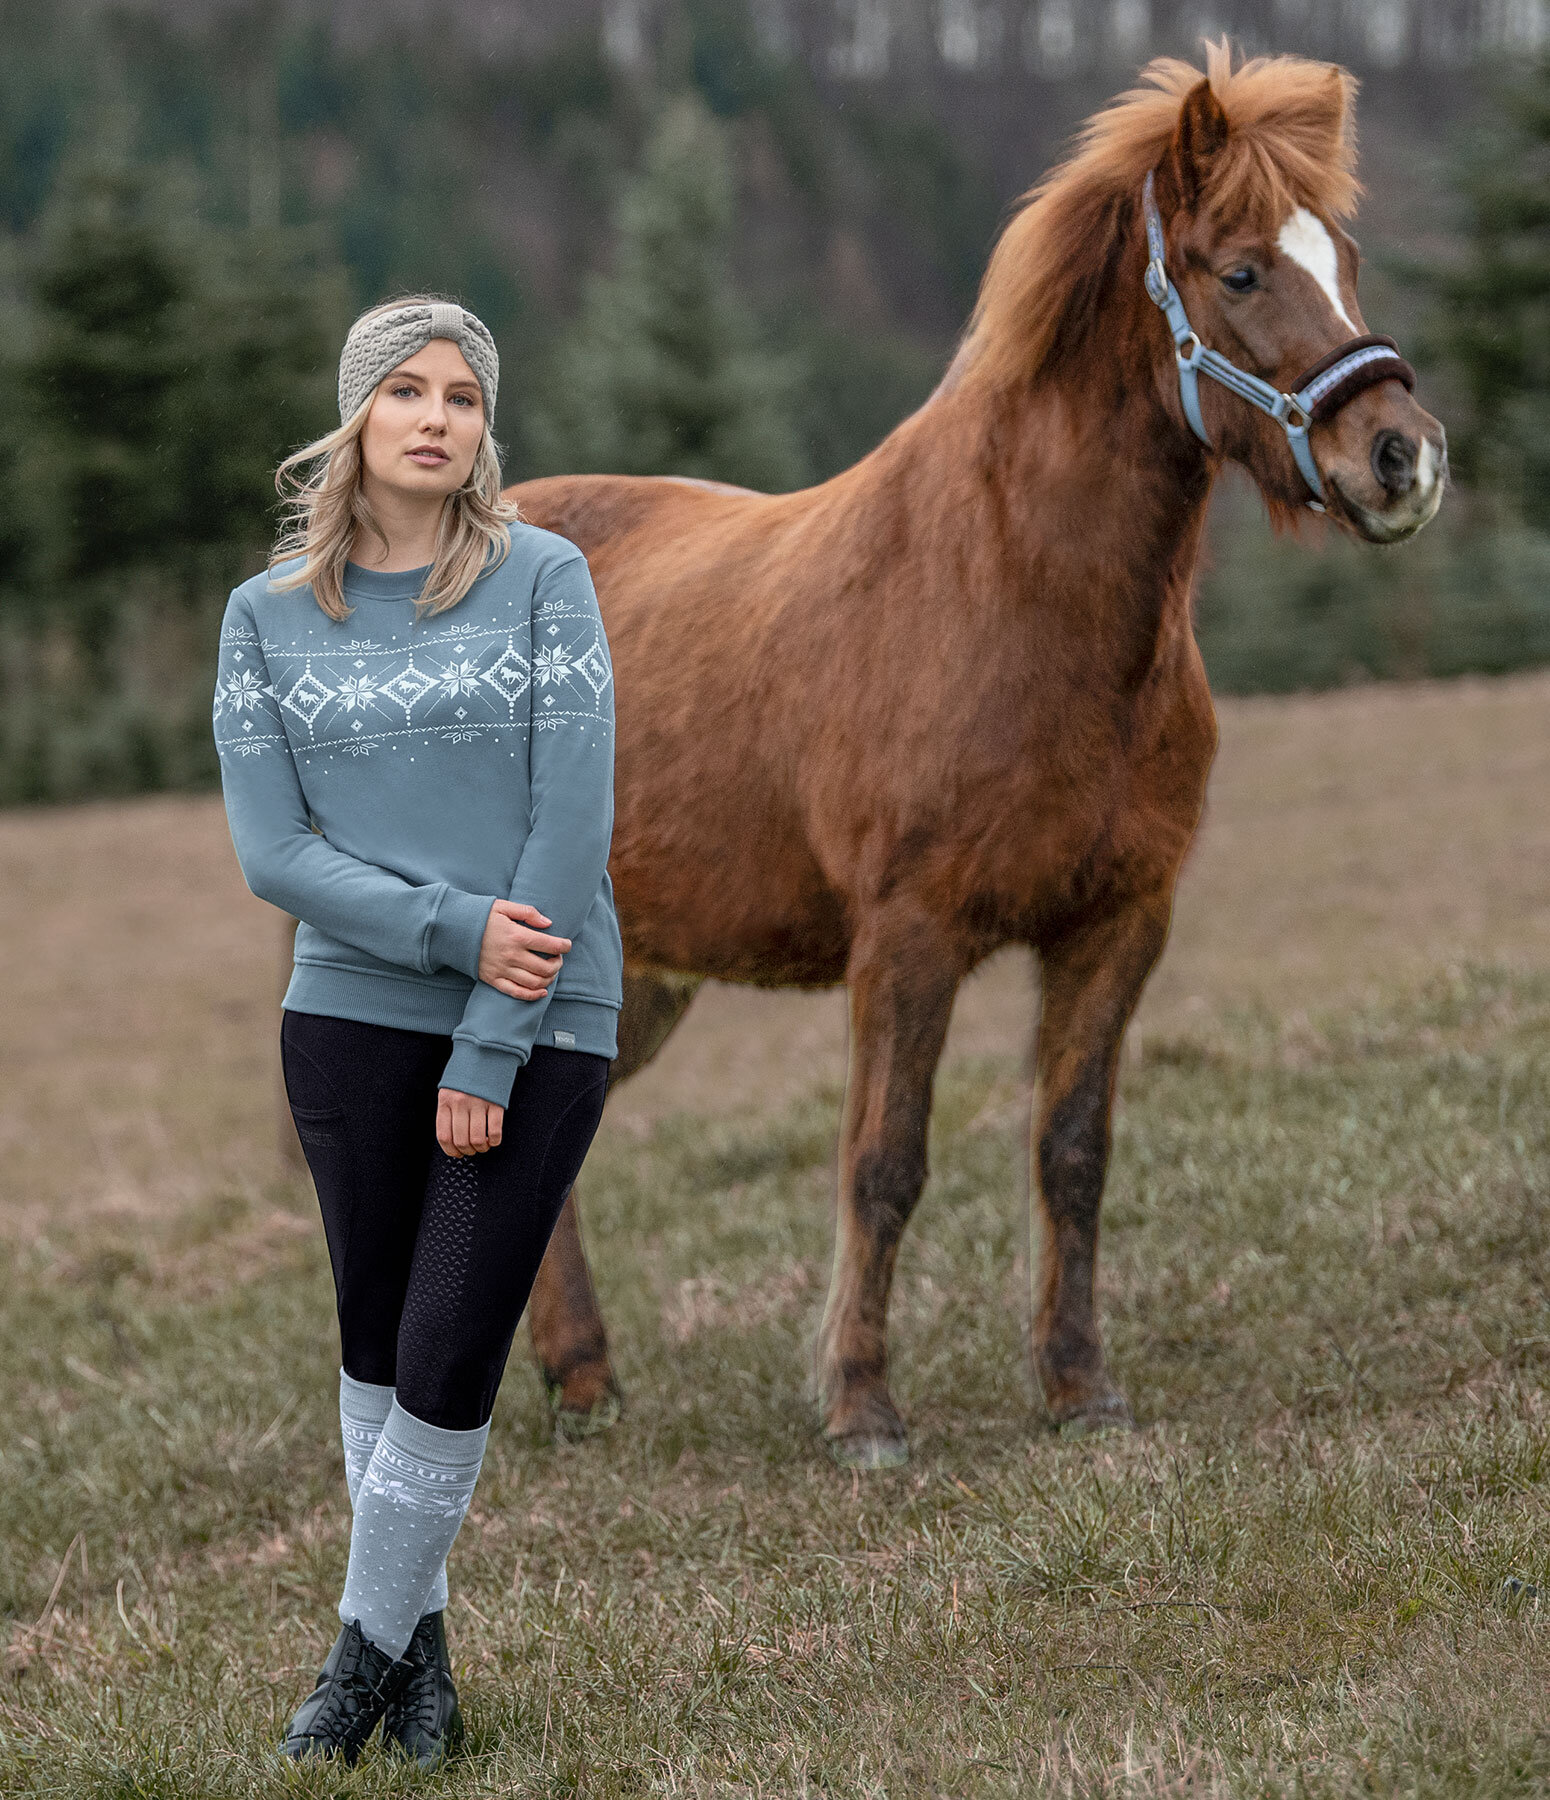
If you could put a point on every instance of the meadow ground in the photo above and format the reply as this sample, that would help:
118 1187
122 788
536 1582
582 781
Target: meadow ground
1326 1264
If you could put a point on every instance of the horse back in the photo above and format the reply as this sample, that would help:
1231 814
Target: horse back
712 864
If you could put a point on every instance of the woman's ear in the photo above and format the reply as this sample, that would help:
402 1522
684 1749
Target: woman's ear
1197 138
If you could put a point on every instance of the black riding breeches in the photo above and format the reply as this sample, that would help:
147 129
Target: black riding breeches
434 1256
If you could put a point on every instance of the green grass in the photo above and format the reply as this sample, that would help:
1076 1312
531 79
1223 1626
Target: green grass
1326 1264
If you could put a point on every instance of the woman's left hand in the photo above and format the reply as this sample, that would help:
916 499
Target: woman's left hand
465 1124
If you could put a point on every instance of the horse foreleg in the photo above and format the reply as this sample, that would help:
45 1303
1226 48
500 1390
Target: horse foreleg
1091 982
566 1323
902 979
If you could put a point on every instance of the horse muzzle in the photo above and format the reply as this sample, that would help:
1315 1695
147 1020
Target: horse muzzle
1384 477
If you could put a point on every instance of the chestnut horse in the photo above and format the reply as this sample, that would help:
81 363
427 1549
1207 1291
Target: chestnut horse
873 730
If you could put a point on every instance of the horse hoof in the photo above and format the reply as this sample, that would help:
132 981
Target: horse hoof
1108 1412
867 1452
574 1425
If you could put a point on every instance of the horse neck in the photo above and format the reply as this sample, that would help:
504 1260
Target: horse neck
1091 496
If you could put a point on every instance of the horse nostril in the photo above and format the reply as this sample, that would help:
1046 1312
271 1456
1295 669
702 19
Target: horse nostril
1393 461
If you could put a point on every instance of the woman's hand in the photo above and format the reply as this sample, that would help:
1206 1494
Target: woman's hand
515 958
465 1124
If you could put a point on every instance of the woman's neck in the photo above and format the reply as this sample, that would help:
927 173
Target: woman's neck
409 526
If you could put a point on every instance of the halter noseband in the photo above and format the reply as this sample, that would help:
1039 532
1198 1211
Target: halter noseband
1319 392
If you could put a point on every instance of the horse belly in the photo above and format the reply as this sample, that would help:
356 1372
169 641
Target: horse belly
741 901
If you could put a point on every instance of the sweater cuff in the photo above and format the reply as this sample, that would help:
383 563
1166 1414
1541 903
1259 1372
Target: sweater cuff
485 1070
457 932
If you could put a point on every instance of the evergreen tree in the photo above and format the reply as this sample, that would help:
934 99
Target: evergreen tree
663 371
107 291
1491 309
263 326
168 365
171 365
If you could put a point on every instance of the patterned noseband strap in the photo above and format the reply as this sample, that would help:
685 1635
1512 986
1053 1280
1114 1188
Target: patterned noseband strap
1318 393
1342 375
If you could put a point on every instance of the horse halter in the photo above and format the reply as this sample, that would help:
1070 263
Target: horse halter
1318 393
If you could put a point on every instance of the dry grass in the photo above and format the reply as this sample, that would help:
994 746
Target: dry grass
1354 843
1326 1276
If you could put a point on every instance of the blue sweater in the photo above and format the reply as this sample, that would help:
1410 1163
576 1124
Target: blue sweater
387 780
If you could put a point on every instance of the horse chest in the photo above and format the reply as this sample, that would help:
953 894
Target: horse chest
1096 819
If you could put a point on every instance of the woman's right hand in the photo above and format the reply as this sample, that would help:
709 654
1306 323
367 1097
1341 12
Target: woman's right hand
516 958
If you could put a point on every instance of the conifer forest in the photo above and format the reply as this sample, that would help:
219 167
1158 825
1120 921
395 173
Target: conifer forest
732 238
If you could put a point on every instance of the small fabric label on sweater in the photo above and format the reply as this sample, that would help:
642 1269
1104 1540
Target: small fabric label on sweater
565 1040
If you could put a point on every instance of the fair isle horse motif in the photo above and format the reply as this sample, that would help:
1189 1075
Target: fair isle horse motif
871 731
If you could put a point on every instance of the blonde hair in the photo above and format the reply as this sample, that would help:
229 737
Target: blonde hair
326 508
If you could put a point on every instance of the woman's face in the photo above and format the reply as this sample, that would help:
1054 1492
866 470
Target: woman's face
425 424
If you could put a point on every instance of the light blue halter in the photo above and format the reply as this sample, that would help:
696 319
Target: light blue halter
1320 392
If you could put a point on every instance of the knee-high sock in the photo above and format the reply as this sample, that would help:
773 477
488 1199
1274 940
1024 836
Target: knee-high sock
363 1411
412 1499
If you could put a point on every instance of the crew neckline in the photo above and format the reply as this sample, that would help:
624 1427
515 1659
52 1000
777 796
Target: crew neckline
385 584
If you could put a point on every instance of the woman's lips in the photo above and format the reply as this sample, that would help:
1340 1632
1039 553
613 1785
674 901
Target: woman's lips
432 459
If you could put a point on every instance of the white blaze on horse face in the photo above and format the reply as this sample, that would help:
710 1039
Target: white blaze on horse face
1307 242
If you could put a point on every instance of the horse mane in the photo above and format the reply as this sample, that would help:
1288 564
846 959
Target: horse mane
1291 142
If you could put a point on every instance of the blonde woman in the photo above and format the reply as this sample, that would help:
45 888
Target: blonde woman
414 713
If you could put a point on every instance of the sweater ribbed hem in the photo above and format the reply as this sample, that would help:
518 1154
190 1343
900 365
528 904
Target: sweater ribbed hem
437 1007
412 1003
593 1024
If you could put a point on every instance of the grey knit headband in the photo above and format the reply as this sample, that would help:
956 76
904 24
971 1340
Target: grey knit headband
378 344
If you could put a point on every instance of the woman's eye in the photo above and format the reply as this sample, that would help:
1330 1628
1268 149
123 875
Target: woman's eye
1240 281
467 399
402 389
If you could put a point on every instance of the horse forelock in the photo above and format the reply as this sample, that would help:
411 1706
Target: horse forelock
1291 143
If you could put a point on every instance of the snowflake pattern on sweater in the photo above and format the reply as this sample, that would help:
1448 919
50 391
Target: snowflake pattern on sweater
388 777
453 684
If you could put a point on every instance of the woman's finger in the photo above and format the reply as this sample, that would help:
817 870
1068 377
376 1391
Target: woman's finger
497 1118
444 1126
460 1124
518 992
518 963
478 1136
519 909
545 943
529 962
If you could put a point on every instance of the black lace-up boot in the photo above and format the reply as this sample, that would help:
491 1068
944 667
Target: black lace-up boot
357 1685
424 1721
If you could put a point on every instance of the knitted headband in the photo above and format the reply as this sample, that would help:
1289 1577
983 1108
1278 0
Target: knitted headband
379 343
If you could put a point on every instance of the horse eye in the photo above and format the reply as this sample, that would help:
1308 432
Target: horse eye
1240 281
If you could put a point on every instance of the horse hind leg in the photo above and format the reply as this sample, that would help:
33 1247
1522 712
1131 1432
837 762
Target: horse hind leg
902 979
566 1324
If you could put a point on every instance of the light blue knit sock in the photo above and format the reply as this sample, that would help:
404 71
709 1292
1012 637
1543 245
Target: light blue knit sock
363 1411
412 1499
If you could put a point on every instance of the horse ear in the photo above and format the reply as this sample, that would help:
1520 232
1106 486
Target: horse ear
1200 134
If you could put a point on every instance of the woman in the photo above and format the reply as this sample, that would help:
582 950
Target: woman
414 714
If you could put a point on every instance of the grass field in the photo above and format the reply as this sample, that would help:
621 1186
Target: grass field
1325 1286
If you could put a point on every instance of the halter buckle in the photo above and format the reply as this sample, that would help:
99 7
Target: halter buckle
1156 281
